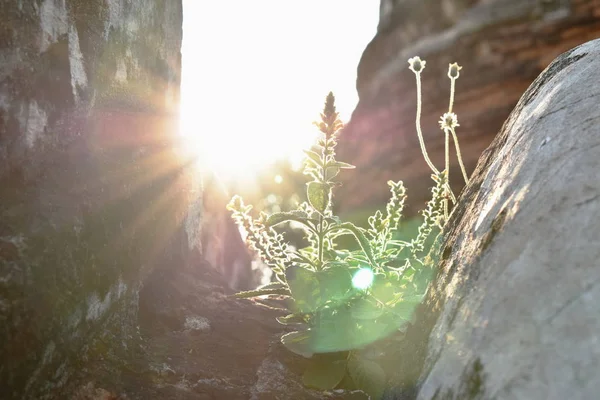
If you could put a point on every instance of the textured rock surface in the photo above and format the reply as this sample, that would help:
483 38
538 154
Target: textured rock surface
197 343
201 344
91 189
502 44
94 191
519 285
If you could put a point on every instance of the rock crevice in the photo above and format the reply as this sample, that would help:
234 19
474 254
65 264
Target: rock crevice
515 294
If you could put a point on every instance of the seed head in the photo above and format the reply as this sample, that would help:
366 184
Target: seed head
453 71
416 65
448 121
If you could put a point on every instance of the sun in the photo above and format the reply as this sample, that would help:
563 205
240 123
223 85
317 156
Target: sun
238 146
253 81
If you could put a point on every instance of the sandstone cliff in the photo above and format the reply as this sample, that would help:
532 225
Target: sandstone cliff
502 45
93 192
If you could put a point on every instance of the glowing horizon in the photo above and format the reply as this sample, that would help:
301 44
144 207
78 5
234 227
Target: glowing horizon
254 80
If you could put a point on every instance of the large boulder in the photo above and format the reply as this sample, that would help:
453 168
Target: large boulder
501 44
515 303
95 190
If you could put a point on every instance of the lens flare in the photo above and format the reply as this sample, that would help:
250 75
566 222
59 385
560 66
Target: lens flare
363 278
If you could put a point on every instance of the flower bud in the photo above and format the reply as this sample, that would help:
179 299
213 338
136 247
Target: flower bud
236 203
453 71
416 65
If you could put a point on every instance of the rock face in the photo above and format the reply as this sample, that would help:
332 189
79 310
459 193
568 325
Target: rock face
519 286
201 344
95 194
501 44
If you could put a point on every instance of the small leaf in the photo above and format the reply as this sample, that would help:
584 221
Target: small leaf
332 172
312 172
273 285
383 290
368 376
261 292
340 164
335 280
235 204
292 319
305 288
361 239
333 220
300 258
310 164
318 195
324 375
314 157
309 253
298 342
329 254
334 329
281 217
408 273
366 310
335 264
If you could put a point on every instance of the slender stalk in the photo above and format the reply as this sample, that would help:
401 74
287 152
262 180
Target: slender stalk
321 237
451 193
458 154
451 94
447 165
447 153
447 149
418 124
321 234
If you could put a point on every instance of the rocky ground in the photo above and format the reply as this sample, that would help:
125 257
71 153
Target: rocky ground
197 343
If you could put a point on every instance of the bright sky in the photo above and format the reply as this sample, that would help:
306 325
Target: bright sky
256 73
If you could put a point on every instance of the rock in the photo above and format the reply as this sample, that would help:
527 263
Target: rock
516 299
90 392
199 343
502 45
95 191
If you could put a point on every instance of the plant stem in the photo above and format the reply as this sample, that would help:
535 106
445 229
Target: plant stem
447 153
447 165
458 154
451 94
321 235
418 124
321 240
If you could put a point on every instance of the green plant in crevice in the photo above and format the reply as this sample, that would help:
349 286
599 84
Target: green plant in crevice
341 300
448 123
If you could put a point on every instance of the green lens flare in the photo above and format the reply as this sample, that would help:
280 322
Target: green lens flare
363 278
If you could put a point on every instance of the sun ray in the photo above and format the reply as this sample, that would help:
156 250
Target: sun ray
247 101
168 204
